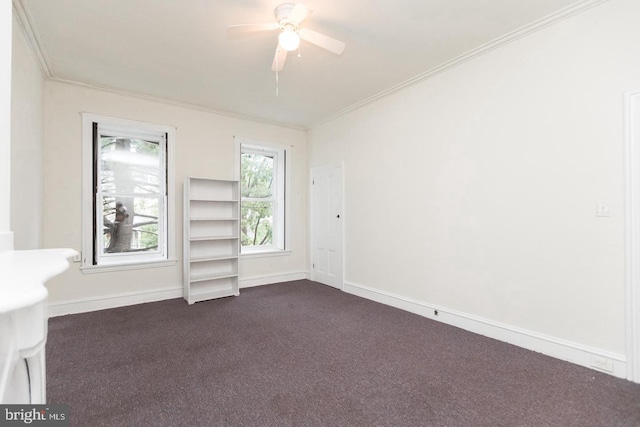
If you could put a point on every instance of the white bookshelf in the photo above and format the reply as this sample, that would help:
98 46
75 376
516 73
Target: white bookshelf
211 242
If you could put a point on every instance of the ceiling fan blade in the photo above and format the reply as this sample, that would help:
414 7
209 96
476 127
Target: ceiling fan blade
279 59
234 31
299 13
325 42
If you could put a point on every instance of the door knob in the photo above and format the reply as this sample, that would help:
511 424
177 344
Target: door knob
338 216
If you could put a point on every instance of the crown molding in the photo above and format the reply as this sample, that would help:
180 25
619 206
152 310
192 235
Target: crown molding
23 16
174 103
521 32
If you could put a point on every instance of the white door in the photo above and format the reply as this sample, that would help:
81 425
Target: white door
633 235
326 225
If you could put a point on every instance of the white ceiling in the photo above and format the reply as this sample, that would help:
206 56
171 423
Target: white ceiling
178 50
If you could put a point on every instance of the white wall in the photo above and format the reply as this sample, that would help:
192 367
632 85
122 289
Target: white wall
204 147
476 190
27 140
6 239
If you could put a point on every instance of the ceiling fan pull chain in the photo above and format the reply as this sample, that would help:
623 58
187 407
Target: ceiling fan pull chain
277 67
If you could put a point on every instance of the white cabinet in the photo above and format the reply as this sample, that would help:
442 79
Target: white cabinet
211 243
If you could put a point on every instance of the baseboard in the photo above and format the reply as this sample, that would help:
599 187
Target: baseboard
84 305
6 241
594 358
250 282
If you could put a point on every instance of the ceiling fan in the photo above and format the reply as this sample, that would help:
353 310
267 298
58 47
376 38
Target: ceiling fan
289 16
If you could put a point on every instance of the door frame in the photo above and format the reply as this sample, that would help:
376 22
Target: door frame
312 171
632 234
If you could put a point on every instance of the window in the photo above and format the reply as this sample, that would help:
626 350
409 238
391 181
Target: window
126 192
263 197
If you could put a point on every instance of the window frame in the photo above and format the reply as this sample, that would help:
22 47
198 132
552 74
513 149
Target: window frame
91 260
281 197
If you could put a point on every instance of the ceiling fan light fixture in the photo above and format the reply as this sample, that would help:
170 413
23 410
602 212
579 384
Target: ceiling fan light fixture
289 39
289 16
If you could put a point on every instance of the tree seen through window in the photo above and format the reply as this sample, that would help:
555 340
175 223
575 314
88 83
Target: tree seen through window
129 180
257 187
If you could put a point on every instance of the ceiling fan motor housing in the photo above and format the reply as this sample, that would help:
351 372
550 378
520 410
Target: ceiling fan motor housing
283 12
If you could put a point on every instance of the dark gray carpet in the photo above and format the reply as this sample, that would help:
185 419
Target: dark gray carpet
301 353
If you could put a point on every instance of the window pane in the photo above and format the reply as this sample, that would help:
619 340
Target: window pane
257 223
129 166
130 224
257 175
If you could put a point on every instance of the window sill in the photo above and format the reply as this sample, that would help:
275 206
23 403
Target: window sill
264 254
133 266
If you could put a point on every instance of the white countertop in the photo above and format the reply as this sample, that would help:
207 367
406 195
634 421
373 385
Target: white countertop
23 274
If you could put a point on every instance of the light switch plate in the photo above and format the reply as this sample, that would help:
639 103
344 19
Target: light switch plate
602 209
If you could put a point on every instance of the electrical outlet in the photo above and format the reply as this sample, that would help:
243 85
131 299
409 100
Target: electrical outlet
602 363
